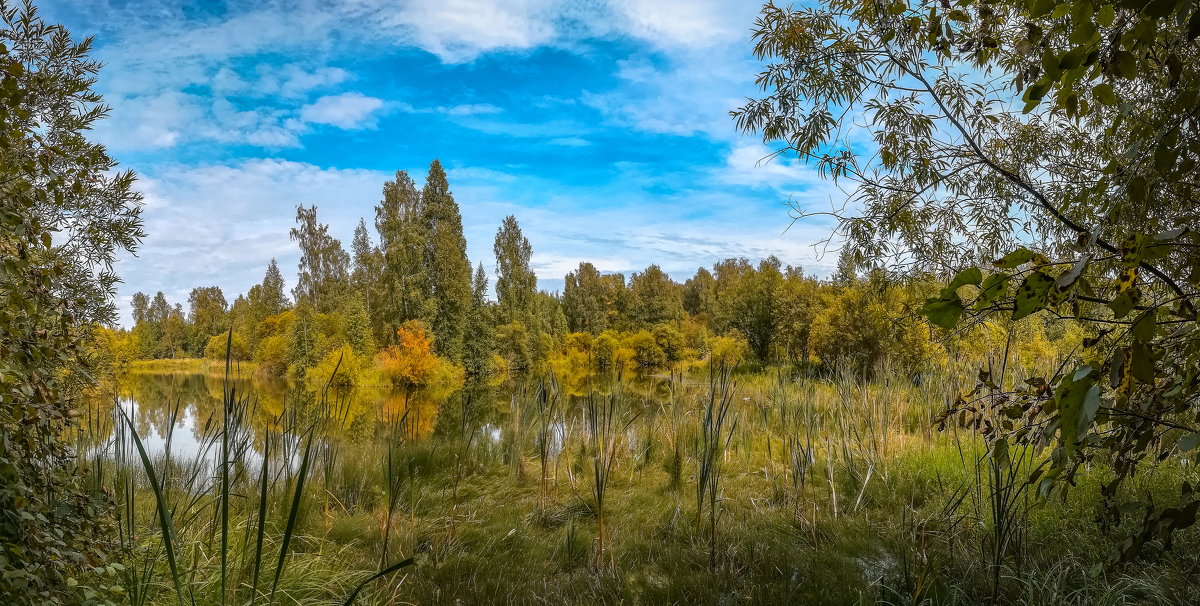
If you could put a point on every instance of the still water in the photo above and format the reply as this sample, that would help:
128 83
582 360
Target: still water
182 412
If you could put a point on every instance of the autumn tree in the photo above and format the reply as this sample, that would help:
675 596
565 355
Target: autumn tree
446 262
324 264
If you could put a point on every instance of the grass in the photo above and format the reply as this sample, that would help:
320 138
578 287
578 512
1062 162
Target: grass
824 491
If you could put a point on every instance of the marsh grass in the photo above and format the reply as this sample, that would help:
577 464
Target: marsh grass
828 490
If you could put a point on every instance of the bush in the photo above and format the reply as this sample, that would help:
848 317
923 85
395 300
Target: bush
729 349
239 350
646 352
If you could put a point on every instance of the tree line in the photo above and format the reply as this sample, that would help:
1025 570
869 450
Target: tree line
405 295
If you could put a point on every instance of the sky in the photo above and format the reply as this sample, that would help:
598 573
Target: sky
602 125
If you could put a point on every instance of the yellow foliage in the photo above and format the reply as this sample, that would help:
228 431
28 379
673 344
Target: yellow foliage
411 360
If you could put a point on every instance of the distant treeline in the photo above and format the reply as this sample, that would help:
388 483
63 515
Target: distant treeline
409 302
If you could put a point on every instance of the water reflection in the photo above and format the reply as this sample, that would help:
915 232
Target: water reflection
184 411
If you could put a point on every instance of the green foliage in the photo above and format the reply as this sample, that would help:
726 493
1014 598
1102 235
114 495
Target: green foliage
479 342
1055 137
238 348
446 260
66 214
403 277
324 264
303 340
516 284
358 327
207 317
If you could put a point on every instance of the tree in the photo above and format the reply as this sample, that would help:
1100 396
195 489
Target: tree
368 263
1059 138
477 345
207 311
358 327
264 300
66 214
656 298
594 302
303 340
324 264
698 293
446 260
745 301
404 280
516 284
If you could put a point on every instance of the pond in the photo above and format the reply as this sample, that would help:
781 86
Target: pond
182 412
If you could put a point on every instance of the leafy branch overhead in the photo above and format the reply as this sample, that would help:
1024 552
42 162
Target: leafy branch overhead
1058 138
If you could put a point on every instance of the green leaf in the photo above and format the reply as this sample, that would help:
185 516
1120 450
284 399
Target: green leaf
943 312
970 275
1143 327
1104 93
993 287
1078 400
1126 64
1189 441
1041 7
1031 295
1141 362
1014 259
1123 303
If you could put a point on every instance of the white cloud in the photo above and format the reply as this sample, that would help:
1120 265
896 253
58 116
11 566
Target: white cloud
570 142
470 109
222 223
347 110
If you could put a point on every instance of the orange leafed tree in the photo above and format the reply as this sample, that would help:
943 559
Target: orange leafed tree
411 360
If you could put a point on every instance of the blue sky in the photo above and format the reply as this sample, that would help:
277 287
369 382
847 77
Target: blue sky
601 124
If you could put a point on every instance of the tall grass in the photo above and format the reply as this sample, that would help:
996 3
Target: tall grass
715 434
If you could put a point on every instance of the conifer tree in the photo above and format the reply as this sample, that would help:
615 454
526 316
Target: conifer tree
404 290
446 258
516 283
367 265
358 327
478 341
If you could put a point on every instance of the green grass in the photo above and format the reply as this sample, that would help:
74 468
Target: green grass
889 512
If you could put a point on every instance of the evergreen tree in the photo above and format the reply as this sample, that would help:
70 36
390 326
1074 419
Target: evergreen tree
264 300
516 283
302 340
446 258
358 327
404 281
478 342
324 264
367 264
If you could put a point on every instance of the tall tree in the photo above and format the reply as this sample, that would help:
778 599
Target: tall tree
368 263
745 301
65 215
593 302
516 283
1067 127
478 342
698 293
403 276
324 264
265 299
206 314
656 298
446 258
